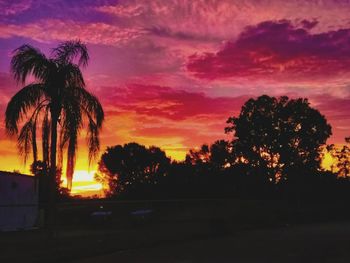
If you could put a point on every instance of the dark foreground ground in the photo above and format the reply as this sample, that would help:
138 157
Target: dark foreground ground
308 243
220 230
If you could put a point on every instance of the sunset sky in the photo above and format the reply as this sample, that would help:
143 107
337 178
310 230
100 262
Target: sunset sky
170 73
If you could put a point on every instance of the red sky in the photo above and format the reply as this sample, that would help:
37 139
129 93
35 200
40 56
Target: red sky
170 73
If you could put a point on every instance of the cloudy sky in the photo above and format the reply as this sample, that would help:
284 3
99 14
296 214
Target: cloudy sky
169 73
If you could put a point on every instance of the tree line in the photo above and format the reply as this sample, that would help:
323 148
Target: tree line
276 151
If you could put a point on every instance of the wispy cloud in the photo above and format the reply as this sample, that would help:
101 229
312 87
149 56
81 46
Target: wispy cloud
224 19
122 10
54 29
14 7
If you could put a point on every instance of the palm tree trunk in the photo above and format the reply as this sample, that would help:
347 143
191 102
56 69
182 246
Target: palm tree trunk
51 209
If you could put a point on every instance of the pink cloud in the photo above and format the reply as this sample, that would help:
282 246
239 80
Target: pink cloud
61 30
171 118
226 18
7 88
335 108
169 103
280 51
122 10
14 7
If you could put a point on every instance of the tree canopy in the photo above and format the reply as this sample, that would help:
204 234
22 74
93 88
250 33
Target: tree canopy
125 167
279 135
218 154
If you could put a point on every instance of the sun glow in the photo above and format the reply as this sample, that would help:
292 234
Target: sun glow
328 161
84 184
83 176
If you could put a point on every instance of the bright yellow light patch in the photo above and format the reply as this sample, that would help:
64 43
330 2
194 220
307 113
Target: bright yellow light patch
83 176
327 161
86 187
84 184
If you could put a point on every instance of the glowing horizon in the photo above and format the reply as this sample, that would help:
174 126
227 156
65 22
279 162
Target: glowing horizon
83 181
84 184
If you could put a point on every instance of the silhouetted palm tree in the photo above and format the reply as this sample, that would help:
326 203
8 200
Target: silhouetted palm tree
58 99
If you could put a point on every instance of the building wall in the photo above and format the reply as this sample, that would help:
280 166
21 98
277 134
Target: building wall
18 201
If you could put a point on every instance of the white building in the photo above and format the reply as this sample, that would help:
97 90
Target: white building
19 201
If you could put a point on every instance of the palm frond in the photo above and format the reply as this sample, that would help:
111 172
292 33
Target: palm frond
61 145
92 109
71 123
93 139
72 75
71 157
27 136
77 103
71 117
46 130
34 144
24 100
29 60
34 118
68 51
24 141
90 103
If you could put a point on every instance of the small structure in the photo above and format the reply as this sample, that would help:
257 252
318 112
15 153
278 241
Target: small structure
19 201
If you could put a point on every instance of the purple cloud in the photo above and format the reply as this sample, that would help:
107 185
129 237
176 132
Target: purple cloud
280 51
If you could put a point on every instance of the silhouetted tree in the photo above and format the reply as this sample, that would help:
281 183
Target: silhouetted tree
39 168
127 168
340 159
278 137
221 155
343 160
198 156
59 96
209 166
